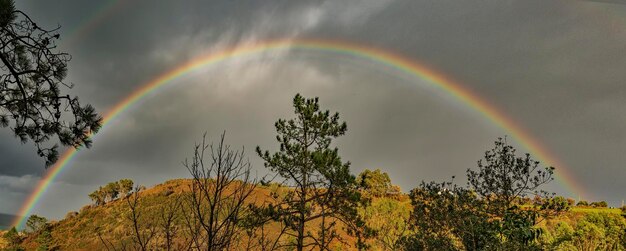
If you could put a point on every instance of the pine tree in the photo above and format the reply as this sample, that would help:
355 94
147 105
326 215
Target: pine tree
323 186
32 101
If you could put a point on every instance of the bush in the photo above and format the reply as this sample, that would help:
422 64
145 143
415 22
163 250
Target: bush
558 203
582 203
599 204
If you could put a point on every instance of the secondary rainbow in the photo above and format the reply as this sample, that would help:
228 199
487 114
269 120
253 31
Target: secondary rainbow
103 13
379 55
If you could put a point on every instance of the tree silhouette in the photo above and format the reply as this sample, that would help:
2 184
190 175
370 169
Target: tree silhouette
221 184
32 73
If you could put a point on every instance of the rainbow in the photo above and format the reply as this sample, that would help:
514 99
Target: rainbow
378 55
95 19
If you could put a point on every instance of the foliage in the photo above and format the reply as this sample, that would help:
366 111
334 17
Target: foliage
79 232
31 73
388 218
501 179
558 204
14 239
599 204
582 203
448 217
596 231
323 185
489 213
98 196
111 191
375 182
125 186
35 223
44 238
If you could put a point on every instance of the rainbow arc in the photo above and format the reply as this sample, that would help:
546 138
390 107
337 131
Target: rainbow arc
381 56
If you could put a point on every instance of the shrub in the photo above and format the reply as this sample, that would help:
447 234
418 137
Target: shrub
599 204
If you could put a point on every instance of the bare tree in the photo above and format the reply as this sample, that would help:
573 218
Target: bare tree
143 232
220 187
169 223
259 237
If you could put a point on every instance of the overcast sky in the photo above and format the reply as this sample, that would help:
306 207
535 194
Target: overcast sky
557 68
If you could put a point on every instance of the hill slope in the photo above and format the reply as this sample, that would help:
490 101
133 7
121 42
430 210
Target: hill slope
93 226
109 226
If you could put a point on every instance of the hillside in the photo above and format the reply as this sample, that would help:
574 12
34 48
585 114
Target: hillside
108 226
80 230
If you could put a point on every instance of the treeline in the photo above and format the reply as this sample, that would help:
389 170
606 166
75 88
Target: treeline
315 203
584 203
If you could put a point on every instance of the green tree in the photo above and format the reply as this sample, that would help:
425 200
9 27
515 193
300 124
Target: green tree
489 214
125 186
571 202
14 240
449 217
35 223
501 180
599 204
376 182
596 231
557 204
44 238
322 182
98 196
31 74
582 203
111 191
388 218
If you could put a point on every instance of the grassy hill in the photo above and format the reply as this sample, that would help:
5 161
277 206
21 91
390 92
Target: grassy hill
93 226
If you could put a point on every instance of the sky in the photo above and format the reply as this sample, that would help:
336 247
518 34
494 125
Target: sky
556 68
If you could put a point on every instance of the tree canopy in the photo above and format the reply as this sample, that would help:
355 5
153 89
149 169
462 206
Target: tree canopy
32 73
323 186
375 182
490 214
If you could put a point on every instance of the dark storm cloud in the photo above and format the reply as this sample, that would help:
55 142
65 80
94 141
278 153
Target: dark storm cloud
554 67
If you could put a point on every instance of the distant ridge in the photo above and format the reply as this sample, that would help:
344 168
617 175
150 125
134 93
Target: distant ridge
6 220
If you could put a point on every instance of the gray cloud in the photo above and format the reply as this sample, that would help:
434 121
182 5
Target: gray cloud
553 67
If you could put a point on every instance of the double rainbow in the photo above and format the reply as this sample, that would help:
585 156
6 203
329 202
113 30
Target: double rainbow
360 51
